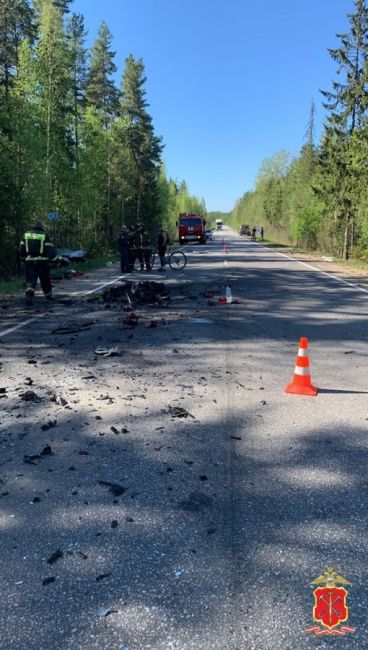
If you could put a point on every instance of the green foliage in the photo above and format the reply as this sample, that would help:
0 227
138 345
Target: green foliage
68 142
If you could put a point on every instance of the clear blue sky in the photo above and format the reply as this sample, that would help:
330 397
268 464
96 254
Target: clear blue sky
229 82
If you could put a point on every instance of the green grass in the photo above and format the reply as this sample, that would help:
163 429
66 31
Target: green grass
353 262
11 286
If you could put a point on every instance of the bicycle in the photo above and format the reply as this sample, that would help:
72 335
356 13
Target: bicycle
177 260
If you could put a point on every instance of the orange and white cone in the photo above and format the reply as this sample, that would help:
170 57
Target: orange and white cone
301 383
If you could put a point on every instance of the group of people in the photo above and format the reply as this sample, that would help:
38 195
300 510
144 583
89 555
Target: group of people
254 232
38 254
135 243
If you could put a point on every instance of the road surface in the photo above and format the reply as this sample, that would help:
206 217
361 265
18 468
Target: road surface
171 495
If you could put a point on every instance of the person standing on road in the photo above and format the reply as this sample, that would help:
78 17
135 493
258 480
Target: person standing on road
261 232
254 230
162 243
144 248
37 252
123 248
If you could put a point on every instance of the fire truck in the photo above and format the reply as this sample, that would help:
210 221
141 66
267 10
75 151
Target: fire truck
192 228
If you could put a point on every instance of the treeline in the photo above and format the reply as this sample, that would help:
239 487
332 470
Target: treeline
320 198
71 141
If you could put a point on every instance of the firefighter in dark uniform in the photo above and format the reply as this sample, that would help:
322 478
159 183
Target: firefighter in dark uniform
123 248
144 247
37 252
132 247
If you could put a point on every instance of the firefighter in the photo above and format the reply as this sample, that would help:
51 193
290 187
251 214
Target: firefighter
144 247
37 252
132 247
123 248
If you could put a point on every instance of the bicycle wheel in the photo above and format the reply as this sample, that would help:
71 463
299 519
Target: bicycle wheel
153 257
177 261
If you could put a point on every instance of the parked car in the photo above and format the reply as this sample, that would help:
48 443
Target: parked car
245 230
72 255
209 233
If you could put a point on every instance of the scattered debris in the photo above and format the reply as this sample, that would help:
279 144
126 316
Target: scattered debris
131 319
114 488
102 576
57 399
55 556
28 381
179 412
107 352
30 396
49 425
48 581
114 523
46 451
72 327
105 611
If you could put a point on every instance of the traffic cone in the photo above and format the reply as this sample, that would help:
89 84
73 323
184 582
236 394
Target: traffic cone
301 383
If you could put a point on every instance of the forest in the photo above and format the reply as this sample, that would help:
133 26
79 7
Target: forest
76 144
319 199
73 143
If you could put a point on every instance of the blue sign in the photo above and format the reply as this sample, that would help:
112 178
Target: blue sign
53 216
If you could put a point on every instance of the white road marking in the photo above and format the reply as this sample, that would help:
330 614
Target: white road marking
20 325
329 275
31 320
102 286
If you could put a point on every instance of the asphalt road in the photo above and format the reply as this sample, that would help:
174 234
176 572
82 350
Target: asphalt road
128 525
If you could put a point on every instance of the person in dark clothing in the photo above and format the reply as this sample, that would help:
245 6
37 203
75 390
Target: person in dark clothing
132 247
37 252
144 248
123 248
262 232
253 236
162 243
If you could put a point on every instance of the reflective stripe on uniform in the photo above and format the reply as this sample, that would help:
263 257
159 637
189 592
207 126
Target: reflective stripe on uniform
38 236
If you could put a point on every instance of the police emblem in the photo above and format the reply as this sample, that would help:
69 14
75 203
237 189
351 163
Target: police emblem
330 608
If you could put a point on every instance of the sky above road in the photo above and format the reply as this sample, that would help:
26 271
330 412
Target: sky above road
229 82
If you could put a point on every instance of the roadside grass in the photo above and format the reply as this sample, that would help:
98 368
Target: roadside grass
15 284
352 262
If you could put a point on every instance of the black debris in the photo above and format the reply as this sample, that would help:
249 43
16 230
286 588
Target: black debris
48 581
102 576
46 451
179 412
114 523
30 396
49 425
115 489
55 556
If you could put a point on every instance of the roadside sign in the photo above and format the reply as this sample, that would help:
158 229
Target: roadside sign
53 216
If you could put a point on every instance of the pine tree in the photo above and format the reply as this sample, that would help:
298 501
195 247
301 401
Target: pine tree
101 91
347 108
348 102
16 23
143 146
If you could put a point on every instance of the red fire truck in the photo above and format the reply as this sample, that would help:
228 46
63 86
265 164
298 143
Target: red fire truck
192 228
